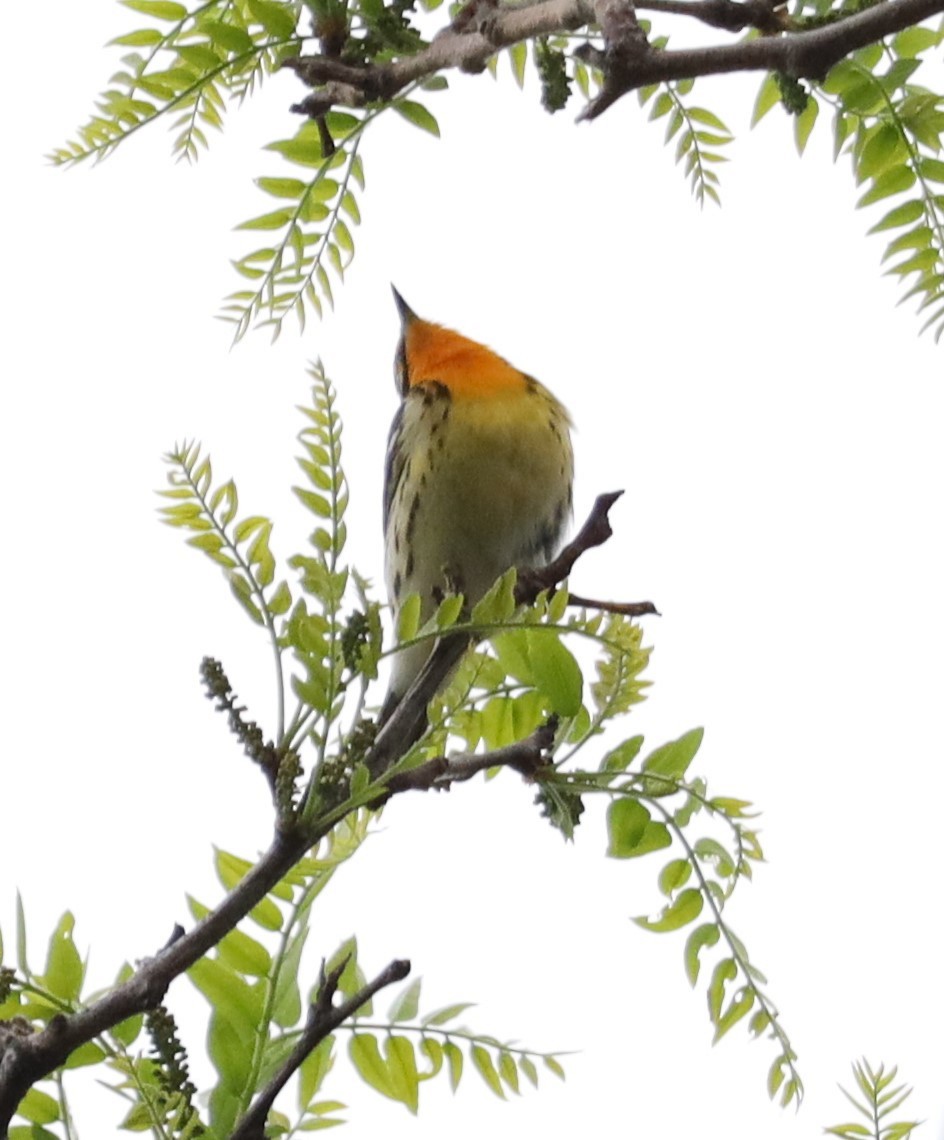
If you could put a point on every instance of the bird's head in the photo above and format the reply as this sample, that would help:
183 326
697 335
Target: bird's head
428 352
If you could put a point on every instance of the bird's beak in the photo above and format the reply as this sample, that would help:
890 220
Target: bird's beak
406 313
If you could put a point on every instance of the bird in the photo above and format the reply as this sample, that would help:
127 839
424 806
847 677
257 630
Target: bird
478 476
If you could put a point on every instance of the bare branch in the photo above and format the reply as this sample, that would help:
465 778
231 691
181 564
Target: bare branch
803 54
323 1018
464 45
730 15
628 63
627 609
526 756
594 532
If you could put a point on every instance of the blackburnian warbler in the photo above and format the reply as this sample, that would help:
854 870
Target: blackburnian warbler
479 475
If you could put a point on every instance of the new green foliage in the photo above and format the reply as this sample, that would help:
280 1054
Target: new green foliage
547 665
891 127
877 1101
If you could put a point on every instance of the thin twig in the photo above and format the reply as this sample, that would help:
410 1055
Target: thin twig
627 609
594 532
323 1018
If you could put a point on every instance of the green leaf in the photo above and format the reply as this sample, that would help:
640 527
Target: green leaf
555 1067
313 1070
418 115
453 1055
282 187
768 96
893 181
232 999
401 1065
556 672
913 41
277 19
408 619
804 122
159 9
244 954
672 759
738 1007
447 1013
622 755
511 649
508 1071
38 1107
632 831
145 37
882 149
685 908
673 875
271 221
932 169
242 591
518 54
287 1002
901 215
482 1060
723 972
228 36
86 1054
407 1003
367 1060
711 851
759 1022
705 935
128 1031
528 1067
64 970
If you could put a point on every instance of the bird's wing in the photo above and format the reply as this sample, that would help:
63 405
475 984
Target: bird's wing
396 461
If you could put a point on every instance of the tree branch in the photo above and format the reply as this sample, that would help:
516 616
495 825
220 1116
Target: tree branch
627 61
805 54
408 721
323 1018
26 1057
767 16
594 532
526 756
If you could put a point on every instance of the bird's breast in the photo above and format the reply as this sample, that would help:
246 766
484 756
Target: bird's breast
486 485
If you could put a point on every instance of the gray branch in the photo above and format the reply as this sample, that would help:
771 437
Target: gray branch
627 61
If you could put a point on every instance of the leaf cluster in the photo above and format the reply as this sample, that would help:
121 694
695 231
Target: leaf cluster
654 806
879 1100
192 63
525 670
890 127
251 983
188 64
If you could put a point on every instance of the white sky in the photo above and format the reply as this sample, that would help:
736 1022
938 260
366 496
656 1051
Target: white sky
742 372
